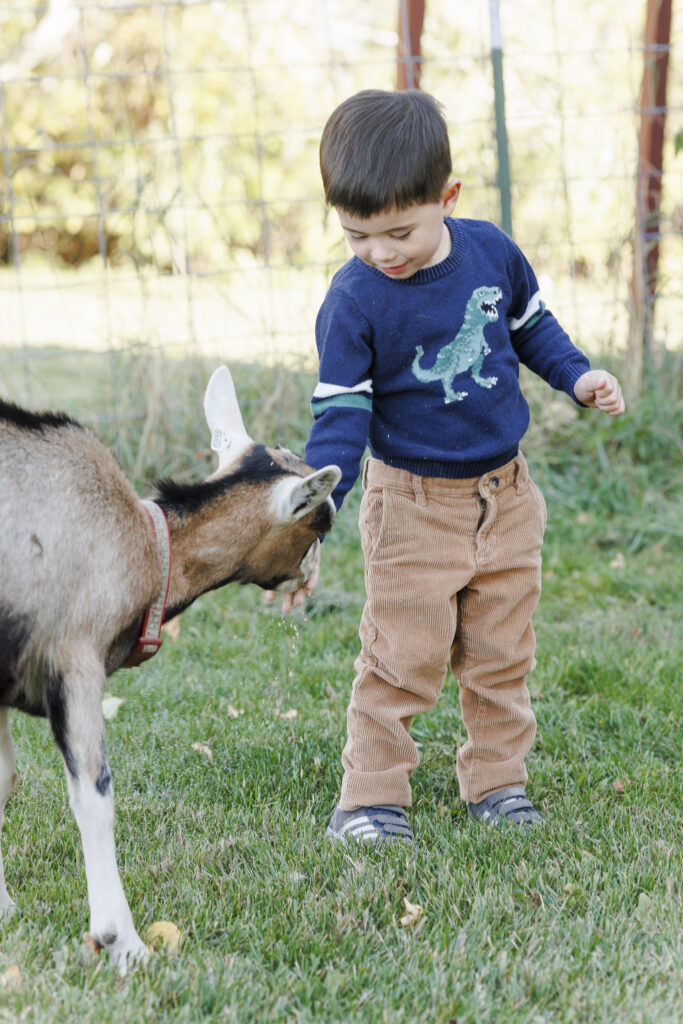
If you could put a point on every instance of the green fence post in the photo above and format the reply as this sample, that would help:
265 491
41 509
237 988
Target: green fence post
501 131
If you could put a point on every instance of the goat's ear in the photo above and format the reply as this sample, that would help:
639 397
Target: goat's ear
295 496
229 437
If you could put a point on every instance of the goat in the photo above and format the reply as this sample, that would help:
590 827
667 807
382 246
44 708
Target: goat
79 567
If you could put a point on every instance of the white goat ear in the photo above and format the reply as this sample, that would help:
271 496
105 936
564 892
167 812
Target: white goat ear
295 496
229 437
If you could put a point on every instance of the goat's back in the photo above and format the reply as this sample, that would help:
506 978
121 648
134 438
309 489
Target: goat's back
77 559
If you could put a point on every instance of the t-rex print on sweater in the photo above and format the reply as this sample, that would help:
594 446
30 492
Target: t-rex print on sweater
467 350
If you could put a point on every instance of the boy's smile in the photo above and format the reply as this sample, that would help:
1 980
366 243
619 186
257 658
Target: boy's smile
401 242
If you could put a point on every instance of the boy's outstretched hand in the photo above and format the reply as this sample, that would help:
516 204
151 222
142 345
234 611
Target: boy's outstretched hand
601 390
296 599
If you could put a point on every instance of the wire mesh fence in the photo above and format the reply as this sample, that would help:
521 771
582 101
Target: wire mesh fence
161 208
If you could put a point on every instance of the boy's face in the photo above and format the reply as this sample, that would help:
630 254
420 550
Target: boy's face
401 242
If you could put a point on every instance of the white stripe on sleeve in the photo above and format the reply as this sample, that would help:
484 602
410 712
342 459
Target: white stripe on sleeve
533 307
329 390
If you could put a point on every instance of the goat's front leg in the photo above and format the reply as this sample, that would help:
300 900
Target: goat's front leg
74 708
7 781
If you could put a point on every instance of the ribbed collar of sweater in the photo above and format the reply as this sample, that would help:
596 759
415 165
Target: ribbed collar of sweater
439 270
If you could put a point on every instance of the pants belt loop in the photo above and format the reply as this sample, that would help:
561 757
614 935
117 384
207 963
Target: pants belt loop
418 490
521 479
366 470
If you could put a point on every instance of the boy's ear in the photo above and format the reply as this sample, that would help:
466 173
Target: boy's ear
449 196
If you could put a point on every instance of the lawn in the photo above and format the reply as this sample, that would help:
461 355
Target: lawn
225 757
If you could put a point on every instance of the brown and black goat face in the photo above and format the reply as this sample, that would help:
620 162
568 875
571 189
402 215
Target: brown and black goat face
288 503
295 510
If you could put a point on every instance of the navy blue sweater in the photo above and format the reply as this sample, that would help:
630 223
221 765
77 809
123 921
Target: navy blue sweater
426 370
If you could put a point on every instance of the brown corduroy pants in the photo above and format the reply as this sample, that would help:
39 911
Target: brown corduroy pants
452 575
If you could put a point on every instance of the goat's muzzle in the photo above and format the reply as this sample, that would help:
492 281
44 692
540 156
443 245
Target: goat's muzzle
306 567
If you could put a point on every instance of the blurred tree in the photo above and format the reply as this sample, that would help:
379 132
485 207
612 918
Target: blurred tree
145 135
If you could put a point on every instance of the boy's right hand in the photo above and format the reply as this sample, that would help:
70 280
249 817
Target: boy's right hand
601 390
297 598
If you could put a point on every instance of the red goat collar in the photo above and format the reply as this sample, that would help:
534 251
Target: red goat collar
149 641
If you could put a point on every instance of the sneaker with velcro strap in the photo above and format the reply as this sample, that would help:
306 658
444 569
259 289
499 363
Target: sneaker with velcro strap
377 824
509 806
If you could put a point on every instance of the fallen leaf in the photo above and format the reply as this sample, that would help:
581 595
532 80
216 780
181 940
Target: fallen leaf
534 901
91 944
11 977
412 915
232 712
292 713
618 562
646 907
172 628
619 785
110 706
202 748
164 934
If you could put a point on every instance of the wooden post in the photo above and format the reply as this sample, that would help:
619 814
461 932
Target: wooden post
409 64
648 186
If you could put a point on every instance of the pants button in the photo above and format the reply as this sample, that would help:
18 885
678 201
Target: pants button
493 482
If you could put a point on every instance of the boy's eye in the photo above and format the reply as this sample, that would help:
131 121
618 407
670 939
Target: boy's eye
400 237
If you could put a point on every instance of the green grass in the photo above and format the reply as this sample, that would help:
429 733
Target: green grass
577 922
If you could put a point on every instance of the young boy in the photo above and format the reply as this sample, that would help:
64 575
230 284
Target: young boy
420 338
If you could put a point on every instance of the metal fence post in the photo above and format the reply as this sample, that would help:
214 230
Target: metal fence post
501 130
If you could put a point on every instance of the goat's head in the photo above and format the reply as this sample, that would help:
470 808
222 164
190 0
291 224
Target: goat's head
286 505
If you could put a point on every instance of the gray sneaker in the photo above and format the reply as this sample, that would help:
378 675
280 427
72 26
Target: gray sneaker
507 806
379 824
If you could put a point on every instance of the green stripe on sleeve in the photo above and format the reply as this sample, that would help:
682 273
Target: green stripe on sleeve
348 401
534 319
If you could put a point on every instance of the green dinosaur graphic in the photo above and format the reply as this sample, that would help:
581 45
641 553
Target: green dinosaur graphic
467 350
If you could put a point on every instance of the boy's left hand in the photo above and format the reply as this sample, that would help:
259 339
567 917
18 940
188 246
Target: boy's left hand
601 390
296 599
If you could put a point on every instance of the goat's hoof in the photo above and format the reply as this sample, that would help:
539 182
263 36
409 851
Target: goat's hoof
129 955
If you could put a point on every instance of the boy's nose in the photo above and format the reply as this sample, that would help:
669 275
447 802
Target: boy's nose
382 251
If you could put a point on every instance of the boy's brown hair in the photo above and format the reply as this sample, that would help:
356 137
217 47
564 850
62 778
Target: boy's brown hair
383 150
